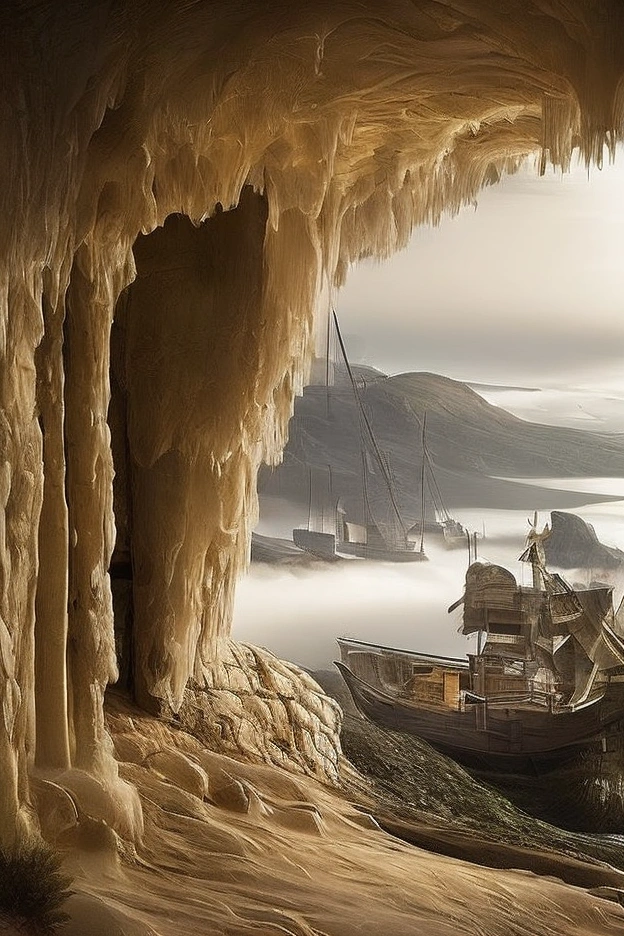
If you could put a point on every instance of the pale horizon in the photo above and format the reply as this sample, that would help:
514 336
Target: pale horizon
526 290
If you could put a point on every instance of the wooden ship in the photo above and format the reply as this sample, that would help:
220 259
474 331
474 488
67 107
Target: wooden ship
544 687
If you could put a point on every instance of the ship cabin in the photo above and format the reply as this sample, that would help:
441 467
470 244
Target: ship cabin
439 683
545 645
514 661
430 681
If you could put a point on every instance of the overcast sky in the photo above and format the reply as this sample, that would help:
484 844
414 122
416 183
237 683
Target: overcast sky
528 289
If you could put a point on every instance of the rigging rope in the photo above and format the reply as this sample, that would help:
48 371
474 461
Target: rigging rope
364 420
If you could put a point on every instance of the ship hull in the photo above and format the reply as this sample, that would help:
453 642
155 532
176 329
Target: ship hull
325 546
320 545
500 739
379 553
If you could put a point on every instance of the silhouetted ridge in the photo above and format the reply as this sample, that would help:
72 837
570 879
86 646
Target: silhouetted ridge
471 442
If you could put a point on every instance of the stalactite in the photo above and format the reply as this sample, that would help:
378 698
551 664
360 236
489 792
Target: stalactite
193 327
52 726
89 490
21 494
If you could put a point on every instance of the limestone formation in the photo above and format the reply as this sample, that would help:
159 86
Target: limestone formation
249 152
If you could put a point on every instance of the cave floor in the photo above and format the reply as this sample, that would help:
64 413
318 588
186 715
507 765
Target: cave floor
236 848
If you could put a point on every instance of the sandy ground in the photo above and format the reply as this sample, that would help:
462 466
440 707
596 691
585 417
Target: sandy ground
237 849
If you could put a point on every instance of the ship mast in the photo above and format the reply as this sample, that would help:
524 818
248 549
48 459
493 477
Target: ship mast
365 422
422 486
429 482
534 553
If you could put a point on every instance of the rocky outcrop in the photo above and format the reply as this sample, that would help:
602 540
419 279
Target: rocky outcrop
252 704
573 544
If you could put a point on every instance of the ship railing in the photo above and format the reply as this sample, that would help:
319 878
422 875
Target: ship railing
506 645
518 640
550 697
526 695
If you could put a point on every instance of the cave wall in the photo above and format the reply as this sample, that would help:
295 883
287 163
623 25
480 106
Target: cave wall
193 347
351 122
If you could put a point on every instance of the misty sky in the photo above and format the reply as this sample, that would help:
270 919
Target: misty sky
528 289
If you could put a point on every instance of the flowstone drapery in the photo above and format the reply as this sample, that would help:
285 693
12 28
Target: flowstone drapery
193 445
267 147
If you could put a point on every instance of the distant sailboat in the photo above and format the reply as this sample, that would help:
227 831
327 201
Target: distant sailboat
441 523
369 538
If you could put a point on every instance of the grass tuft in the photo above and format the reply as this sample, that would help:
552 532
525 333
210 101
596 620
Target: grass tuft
33 889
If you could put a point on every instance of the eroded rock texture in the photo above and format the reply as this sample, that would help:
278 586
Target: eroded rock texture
193 330
305 136
250 703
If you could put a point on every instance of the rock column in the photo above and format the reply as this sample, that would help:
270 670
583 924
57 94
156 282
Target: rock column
193 328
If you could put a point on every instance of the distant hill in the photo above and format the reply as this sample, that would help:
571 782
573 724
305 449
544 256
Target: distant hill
338 373
473 445
497 387
467 433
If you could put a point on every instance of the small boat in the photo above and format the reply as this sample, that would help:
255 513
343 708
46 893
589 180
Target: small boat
435 517
545 685
368 545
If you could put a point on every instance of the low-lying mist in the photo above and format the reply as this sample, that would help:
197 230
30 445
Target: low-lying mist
298 612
